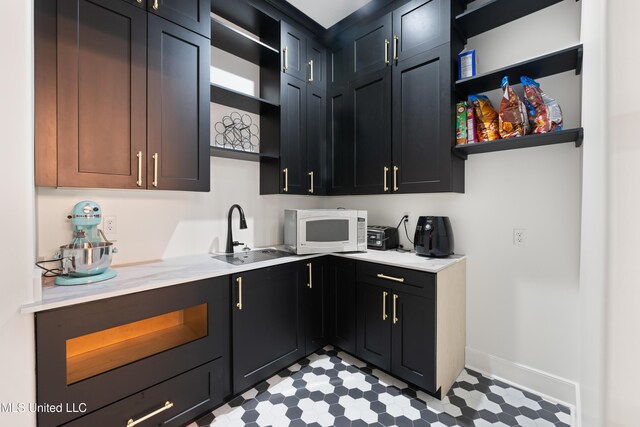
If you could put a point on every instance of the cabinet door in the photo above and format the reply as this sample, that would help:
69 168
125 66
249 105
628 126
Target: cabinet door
267 323
370 128
374 325
178 108
340 145
422 123
294 50
293 136
342 297
316 64
337 67
370 46
102 74
191 14
413 339
316 133
316 304
419 26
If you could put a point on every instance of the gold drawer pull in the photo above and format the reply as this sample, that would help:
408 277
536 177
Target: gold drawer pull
131 422
395 279
286 179
384 185
285 52
310 284
239 304
155 169
386 51
139 181
155 4
395 178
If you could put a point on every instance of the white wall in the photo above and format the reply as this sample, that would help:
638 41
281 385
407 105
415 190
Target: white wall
523 302
17 354
158 224
623 343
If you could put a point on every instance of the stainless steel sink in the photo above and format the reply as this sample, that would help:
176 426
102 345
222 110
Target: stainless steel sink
248 257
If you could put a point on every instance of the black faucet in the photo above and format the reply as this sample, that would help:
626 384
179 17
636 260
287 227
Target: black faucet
243 225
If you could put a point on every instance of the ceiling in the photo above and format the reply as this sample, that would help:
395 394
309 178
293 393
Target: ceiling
328 12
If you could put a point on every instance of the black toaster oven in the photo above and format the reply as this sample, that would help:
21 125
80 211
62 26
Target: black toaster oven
382 237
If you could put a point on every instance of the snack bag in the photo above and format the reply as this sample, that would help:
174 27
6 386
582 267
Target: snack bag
545 114
513 114
461 123
472 138
486 118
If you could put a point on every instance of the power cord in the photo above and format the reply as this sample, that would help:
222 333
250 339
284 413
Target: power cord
50 272
405 218
406 232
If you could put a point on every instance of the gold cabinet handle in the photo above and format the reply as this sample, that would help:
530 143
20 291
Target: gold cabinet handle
239 304
394 279
311 65
395 318
395 47
384 305
386 171
139 181
286 179
285 51
386 51
139 1
311 177
155 169
395 178
167 405
155 4
310 284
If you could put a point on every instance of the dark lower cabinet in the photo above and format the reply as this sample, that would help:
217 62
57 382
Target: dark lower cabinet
341 280
316 301
268 323
396 326
129 355
177 108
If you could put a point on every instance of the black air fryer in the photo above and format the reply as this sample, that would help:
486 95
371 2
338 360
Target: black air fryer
434 237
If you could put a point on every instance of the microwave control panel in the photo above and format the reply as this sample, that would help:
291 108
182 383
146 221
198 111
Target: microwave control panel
362 230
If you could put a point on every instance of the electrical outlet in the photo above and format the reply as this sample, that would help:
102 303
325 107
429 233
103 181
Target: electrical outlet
406 216
110 225
519 236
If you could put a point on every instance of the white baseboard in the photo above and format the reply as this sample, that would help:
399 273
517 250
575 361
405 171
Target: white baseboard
544 384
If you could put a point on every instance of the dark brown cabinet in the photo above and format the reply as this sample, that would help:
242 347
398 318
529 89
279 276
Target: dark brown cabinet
177 108
302 145
398 114
316 301
100 352
121 98
268 322
341 281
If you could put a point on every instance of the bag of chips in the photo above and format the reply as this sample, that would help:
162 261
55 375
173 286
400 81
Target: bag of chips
545 113
486 118
513 114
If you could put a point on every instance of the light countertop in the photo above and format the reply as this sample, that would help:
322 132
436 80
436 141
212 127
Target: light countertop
174 271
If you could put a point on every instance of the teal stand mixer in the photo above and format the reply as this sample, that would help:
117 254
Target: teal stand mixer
88 257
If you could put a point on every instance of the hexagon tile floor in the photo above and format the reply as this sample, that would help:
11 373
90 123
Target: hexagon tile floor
332 388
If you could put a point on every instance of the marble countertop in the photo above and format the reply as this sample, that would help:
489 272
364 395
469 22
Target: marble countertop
174 271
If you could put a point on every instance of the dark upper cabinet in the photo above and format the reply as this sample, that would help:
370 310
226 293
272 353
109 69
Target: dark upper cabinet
122 98
369 47
178 108
413 339
369 132
267 320
294 51
191 14
422 124
419 26
339 142
341 282
101 79
316 141
293 136
316 64
316 301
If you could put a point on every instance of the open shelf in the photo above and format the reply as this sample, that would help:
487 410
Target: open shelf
240 44
542 66
228 153
239 100
496 13
537 140
248 17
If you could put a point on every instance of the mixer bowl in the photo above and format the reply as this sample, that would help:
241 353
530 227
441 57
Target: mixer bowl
86 259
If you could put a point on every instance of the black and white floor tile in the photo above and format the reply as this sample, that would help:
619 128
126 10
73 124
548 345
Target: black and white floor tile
332 388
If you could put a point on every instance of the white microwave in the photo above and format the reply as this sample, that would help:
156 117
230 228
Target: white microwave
313 231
